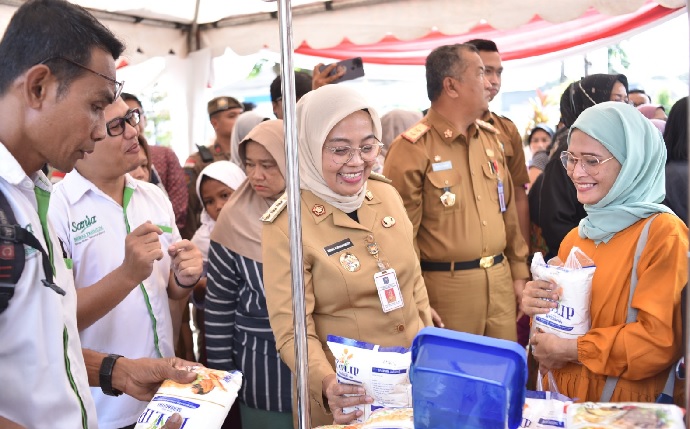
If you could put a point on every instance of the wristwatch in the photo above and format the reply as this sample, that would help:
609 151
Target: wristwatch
105 375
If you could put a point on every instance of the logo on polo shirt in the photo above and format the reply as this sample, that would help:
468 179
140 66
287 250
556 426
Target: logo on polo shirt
86 229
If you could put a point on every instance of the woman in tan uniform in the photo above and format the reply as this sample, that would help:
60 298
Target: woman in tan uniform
361 272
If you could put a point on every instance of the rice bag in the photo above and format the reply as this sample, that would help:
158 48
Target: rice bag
382 371
203 403
573 280
542 410
624 415
388 418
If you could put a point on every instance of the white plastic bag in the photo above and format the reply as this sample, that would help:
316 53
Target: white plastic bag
382 371
573 280
203 403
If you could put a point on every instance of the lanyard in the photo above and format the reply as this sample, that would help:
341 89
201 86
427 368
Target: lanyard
43 201
126 197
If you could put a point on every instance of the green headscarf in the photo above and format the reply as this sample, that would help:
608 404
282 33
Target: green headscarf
640 186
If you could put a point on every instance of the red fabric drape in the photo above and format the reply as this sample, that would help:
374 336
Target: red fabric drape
537 37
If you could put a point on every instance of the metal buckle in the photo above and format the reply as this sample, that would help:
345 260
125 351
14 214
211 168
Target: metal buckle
8 233
486 262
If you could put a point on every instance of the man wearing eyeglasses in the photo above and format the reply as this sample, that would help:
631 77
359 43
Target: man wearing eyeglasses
127 256
452 176
56 78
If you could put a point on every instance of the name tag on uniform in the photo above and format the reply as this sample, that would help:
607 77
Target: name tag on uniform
441 166
334 248
389 290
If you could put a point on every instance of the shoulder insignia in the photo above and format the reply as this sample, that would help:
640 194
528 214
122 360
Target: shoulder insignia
413 134
380 177
275 209
190 162
487 126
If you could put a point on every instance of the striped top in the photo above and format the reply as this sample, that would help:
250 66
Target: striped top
238 334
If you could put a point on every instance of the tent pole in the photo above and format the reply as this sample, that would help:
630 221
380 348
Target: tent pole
687 295
287 76
193 37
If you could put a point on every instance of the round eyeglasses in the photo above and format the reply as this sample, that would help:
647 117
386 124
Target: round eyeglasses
590 163
116 126
343 154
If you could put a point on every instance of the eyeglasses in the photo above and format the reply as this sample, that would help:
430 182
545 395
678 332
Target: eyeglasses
343 154
116 126
118 85
590 163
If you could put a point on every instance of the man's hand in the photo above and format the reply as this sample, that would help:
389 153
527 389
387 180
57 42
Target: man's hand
141 378
188 263
341 396
321 78
539 297
436 318
142 249
519 287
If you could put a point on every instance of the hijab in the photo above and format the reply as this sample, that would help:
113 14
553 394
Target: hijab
594 89
640 186
231 176
243 125
394 123
318 112
239 225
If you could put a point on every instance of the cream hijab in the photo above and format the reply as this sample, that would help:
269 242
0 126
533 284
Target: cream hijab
318 112
239 226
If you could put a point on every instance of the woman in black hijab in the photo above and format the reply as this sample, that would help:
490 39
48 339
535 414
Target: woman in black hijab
553 199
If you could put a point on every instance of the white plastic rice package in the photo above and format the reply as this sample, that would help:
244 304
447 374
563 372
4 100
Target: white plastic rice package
382 371
544 410
601 415
203 403
573 281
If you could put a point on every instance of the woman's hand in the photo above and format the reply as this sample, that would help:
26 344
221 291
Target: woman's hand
335 395
553 352
539 297
436 318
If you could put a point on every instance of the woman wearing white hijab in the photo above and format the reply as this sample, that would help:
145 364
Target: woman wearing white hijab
353 229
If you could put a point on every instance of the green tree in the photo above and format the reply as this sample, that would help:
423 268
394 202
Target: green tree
618 60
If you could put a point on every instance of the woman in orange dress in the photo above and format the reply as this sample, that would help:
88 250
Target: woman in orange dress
616 160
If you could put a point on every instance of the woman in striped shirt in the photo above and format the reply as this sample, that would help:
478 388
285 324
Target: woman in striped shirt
238 334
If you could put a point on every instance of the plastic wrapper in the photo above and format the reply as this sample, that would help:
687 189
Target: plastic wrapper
573 281
382 418
544 410
203 403
382 371
623 415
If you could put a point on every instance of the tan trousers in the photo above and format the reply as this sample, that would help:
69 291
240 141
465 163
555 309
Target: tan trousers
479 301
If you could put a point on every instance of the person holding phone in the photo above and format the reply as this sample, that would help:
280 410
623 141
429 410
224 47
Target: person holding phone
356 236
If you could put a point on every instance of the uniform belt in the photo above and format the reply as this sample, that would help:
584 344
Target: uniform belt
485 262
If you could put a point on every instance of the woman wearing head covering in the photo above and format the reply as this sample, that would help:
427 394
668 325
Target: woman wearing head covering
354 226
653 111
615 159
244 124
238 335
393 124
559 210
538 140
676 139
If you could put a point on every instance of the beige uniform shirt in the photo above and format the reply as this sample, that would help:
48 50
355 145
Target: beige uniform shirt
339 301
432 158
509 137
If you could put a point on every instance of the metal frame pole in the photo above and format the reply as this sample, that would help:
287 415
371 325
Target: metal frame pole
287 76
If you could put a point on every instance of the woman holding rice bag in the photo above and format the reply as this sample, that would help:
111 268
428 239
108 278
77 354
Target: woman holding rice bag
361 272
616 160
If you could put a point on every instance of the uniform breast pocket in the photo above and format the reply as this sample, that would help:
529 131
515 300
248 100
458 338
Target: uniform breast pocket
491 180
443 192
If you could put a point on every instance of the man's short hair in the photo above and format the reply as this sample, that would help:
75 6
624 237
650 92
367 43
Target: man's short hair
444 61
45 29
640 91
483 45
126 96
221 104
302 86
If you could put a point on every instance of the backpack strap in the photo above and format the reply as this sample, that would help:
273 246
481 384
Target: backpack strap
611 382
12 258
205 154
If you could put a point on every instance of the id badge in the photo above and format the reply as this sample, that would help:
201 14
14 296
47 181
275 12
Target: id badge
389 290
501 196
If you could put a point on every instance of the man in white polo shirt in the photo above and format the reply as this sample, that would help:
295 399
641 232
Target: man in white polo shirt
56 77
127 254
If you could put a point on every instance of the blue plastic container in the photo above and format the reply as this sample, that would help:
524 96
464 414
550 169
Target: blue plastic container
462 380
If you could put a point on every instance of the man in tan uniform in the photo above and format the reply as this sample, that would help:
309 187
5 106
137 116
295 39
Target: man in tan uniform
223 112
508 136
451 173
